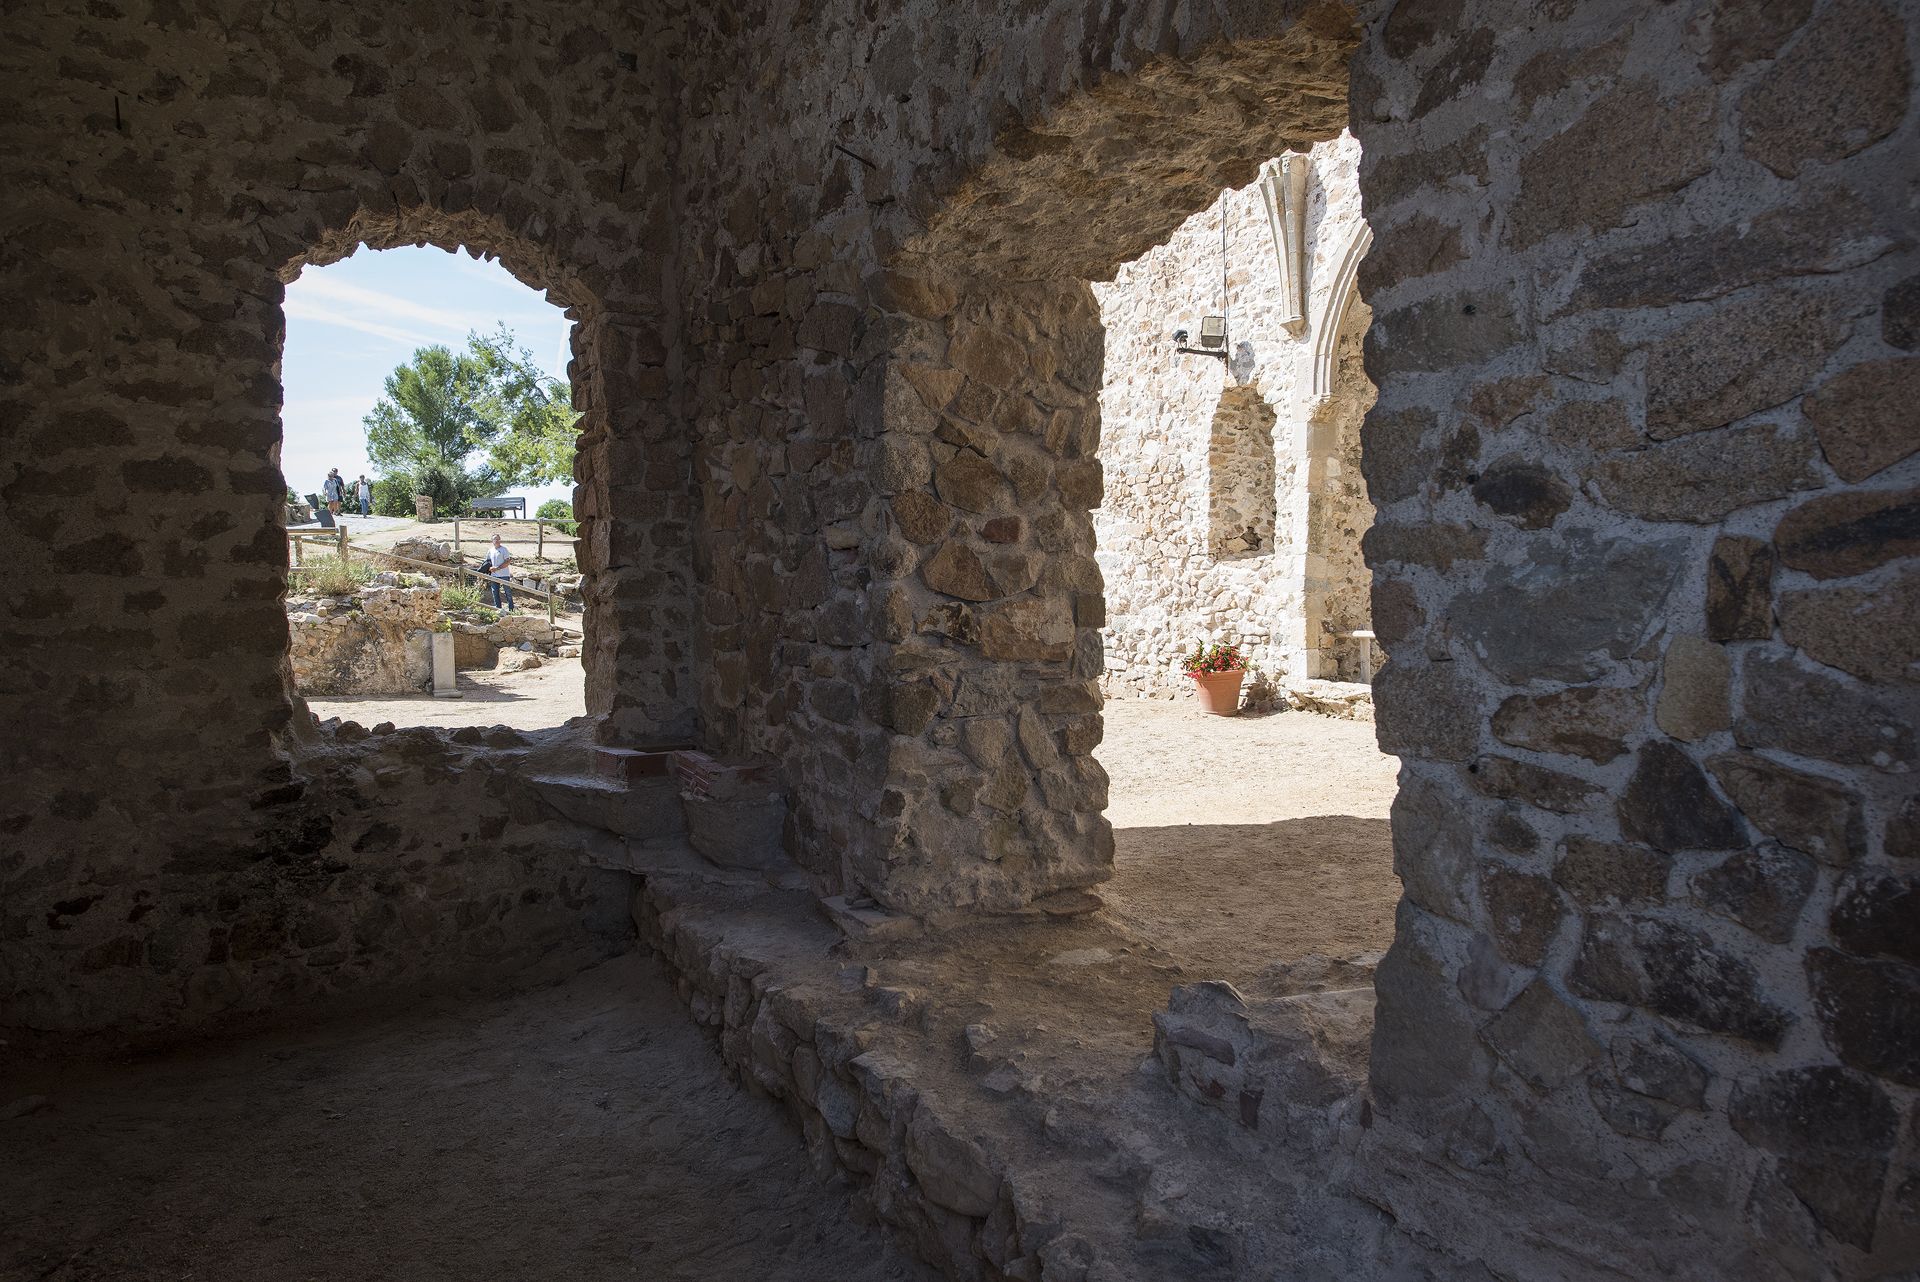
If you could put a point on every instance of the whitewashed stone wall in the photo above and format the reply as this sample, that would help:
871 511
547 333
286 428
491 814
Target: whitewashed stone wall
1187 447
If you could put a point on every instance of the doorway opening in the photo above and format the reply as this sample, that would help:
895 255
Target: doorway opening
428 443
1232 515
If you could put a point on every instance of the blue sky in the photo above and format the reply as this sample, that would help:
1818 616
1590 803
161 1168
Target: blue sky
351 323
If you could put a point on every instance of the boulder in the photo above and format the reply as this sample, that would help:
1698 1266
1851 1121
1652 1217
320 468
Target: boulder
1278 1065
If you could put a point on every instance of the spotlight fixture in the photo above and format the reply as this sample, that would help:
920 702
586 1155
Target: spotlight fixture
1213 338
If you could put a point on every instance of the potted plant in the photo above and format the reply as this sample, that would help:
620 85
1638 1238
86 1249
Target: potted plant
1217 671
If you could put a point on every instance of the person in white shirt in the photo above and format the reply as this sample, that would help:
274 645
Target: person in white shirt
498 565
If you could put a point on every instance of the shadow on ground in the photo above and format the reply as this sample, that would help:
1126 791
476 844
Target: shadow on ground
1228 900
584 1132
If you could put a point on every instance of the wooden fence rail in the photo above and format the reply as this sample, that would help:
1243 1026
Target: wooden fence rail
342 548
540 534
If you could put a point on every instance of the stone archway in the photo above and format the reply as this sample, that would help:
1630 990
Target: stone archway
990 435
1338 512
537 267
201 849
637 677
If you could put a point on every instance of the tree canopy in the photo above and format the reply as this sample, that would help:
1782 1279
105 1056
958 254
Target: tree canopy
444 407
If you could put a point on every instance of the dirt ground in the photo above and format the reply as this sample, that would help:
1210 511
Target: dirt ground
587 1131
583 1132
1242 841
536 699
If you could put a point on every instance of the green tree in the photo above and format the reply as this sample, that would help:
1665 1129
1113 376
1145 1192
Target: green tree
537 425
444 407
430 414
561 511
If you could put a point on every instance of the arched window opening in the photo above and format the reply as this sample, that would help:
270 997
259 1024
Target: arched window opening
429 432
1240 467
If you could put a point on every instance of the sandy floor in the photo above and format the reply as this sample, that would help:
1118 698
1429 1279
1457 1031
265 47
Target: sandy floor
1241 841
584 1132
587 1131
536 699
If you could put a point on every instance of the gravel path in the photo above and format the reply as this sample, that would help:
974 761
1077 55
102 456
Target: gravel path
536 699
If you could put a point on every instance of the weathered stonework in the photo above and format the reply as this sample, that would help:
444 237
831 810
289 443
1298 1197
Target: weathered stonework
1233 505
375 642
843 374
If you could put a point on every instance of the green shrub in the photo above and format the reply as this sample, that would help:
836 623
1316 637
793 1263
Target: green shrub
449 487
560 512
460 596
331 576
393 496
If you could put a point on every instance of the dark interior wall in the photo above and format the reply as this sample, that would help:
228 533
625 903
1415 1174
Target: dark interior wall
167 165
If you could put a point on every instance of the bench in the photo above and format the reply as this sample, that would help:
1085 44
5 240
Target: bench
502 506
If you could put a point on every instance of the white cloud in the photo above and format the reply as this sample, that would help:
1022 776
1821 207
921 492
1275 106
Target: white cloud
320 313
318 298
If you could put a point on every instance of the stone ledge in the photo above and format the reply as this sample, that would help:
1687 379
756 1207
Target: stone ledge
994 1155
1347 700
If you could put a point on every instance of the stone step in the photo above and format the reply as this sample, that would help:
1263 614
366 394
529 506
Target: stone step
673 857
630 765
642 809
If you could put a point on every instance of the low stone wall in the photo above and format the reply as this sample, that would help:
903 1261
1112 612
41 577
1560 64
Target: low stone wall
1033 1155
792 1032
372 643
477 645
375 865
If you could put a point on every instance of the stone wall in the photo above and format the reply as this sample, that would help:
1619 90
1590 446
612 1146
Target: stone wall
1590 370
374 867
1623 328
169 166
375 642
1339 589
1233 506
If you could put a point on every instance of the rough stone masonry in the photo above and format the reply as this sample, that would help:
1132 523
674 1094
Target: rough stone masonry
1233 506
1645 299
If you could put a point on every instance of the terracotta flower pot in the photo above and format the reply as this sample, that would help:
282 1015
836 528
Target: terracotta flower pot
1219 691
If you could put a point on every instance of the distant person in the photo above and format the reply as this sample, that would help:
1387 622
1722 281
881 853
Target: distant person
334 491
498 568
365 490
